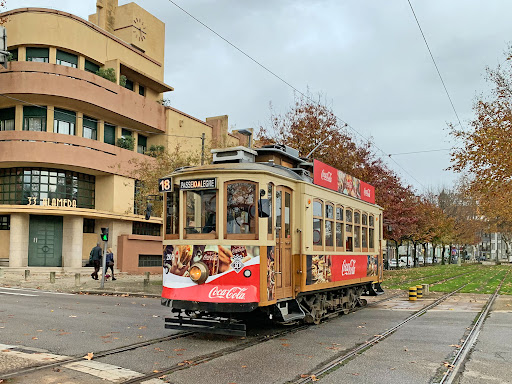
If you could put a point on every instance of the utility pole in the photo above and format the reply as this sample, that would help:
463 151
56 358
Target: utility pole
4 54
202 148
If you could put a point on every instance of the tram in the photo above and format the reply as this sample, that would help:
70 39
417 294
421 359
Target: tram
262 230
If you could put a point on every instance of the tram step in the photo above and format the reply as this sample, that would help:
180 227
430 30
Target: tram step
290 311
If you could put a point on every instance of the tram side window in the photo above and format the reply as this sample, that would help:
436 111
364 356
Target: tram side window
318 224
339 228
241 208
357 231
364 231
329 226
172 213
201 213
348 230
371 232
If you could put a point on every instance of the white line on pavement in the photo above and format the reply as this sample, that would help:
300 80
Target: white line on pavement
17 294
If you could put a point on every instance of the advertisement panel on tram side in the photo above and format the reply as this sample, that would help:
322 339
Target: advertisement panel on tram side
234 274
332 268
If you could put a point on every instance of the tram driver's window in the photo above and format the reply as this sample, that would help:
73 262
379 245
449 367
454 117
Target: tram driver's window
172 214
241 208
201 213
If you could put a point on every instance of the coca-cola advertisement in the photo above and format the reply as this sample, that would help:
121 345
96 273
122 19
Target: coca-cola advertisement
331 268
372 266
233 273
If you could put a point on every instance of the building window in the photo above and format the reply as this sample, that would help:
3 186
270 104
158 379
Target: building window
67 59
40 55
109 135
145 228
43 186
5 222
64 121
7 118
34 118
89 225
91 67
14 54
90 128
125 132
142 144
142 90
150 260
129 85
318 224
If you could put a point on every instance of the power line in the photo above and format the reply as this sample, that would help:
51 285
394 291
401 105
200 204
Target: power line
435 64
413 153
291 86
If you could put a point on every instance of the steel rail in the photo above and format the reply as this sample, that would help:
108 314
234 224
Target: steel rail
376 339
453 369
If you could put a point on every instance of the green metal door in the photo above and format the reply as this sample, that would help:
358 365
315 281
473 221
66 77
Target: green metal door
45 241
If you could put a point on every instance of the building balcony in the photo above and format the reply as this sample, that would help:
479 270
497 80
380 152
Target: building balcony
47 149
75 89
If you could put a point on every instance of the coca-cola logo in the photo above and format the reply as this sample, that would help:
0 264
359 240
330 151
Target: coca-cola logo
326 176
235 293
367 192
348 268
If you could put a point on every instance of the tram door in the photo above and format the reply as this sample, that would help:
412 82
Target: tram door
283 261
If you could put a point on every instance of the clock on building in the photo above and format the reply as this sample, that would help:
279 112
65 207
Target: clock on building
139 29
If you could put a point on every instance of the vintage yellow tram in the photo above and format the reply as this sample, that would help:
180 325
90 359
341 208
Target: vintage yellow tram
264 230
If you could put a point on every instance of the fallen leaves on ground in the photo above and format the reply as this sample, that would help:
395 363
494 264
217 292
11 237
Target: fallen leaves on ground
89 356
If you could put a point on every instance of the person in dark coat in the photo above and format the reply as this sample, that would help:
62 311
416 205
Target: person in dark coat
110 263
95 260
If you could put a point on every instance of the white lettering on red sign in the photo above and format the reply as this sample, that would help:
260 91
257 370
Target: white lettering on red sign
348 268
326 176
235 293
367 192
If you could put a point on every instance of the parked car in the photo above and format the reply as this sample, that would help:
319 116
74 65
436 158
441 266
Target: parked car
392 263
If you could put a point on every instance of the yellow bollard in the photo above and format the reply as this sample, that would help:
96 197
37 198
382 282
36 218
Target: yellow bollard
412 294
419 291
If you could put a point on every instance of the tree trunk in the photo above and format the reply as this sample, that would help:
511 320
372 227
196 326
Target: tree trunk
442 254
450 254
396 255
415 255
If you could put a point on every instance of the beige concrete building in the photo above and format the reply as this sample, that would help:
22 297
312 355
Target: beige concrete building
68 135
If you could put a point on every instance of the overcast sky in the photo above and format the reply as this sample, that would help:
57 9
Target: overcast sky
367 58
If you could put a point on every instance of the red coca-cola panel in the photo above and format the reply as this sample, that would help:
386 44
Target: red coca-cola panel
325 175
348 267
367 192
231 287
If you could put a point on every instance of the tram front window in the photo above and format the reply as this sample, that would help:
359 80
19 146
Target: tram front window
201 212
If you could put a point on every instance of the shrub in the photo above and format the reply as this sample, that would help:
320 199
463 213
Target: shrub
126 142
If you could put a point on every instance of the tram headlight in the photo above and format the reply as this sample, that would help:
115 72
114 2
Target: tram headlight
198 272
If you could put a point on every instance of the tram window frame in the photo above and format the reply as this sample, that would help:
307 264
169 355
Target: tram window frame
349 230
174 230
209 235
339 222
243 236
318 246
329 217
357 231
364 231
371 232
270 197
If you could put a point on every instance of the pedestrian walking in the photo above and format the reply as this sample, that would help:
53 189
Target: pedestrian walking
95 260
110 263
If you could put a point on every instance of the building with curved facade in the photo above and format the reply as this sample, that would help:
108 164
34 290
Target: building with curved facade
64 173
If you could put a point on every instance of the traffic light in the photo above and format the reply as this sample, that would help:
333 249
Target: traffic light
104 234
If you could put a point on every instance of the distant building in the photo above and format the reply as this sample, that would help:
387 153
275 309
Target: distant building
63 175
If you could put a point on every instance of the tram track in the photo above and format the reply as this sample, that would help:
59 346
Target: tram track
189 362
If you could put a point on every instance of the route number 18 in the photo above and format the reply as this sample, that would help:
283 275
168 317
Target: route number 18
165 185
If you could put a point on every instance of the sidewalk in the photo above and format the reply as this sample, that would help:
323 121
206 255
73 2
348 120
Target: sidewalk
125 284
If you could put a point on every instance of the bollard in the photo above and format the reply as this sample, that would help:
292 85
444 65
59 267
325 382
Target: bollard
146 274
27 274
52 277
412 294
419 291
1 272
77 279
426 289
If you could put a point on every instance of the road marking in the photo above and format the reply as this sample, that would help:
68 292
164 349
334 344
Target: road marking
17 294
37 355
36 290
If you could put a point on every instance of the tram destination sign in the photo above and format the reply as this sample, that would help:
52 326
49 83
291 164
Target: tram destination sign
210 183
329 177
